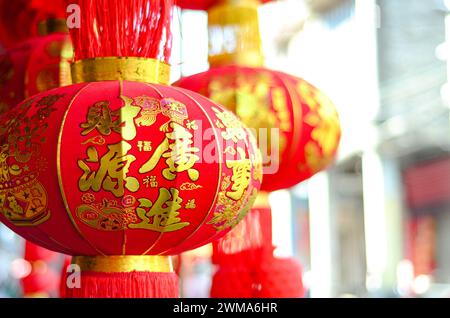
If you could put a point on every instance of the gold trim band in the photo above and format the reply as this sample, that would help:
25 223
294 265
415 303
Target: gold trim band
262 200
50 26
124 264
241 18
136 69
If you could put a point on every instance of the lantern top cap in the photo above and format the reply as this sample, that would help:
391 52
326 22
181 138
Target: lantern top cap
121 28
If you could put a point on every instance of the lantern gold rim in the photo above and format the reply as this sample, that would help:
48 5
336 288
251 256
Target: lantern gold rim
135 69
124 263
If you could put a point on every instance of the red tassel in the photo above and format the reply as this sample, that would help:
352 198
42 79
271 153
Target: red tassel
125 285
138 28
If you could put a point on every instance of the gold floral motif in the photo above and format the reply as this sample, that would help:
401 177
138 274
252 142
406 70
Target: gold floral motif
190 186
230 212
23 199
107 215
97 140
176 111
150 109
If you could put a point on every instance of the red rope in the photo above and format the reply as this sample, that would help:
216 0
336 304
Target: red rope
139 28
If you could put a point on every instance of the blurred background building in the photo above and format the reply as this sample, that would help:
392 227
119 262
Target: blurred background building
376 224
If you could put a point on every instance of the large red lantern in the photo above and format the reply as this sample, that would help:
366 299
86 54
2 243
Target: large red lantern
306 119
134 168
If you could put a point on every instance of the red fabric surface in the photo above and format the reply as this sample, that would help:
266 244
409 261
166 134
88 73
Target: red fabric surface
115 218
126 285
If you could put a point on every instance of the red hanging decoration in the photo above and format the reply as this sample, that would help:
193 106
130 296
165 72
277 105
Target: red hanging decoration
309 134
309 130
43 280
246 267
136 168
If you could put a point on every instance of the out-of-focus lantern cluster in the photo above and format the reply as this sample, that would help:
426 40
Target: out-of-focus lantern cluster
38 52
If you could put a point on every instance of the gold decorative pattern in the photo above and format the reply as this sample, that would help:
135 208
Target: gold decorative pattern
124 264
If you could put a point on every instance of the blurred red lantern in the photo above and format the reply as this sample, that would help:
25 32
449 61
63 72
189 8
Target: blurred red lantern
136 168
206 4
307 120
308 123
24 19
34 66
43 280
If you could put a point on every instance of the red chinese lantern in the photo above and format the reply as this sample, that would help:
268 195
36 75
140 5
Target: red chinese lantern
135 168
24 19
308 123
204 4
39 53
273 278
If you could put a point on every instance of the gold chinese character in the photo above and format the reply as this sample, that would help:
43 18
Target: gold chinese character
162 216
241 175
145 146
150 181
179 154
191 204
234 129
112 172
121 121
